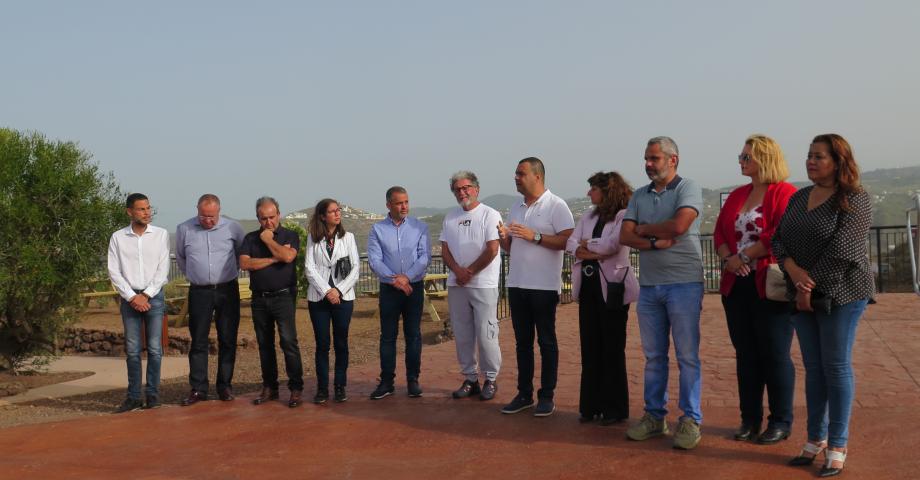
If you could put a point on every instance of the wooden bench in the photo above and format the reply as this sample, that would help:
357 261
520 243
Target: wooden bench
432 285
91 294
181 319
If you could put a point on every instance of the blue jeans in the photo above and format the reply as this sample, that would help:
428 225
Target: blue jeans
153 320
826 342
323 313
674 310
394 303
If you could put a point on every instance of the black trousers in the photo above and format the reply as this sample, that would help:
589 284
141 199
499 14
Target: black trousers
535 311
761 332
222 306
604 385
266 313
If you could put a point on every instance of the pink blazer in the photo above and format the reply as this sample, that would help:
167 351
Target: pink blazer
615 266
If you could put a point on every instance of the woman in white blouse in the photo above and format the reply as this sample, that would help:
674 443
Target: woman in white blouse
332 268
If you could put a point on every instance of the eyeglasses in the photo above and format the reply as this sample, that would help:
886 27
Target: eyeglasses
464 189
744 157
333 211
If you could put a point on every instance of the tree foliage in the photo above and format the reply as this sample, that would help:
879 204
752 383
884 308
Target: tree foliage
57 213
302 282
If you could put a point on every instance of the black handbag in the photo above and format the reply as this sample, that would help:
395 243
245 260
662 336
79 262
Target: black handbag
616 291
342 267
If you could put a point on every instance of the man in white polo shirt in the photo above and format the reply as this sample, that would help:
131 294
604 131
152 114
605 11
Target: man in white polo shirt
535 238
469 246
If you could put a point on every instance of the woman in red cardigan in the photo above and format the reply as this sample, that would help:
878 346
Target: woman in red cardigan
760 329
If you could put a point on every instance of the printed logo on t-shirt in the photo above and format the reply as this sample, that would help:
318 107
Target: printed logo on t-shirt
465 223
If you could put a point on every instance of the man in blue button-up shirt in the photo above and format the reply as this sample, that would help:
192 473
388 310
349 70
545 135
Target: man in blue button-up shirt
207 251
399 251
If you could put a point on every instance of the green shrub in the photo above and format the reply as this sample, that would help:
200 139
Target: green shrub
57 212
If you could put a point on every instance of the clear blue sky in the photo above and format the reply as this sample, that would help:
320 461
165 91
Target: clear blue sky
302 100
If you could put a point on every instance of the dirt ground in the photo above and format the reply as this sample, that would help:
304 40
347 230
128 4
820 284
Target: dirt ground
363 335
16 384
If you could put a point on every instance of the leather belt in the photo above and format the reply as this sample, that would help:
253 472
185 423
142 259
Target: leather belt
231 283
276 293
588 270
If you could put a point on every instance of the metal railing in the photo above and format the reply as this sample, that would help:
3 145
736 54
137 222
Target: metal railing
894 254
913 245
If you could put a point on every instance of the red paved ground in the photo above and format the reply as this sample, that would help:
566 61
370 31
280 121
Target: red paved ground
437 437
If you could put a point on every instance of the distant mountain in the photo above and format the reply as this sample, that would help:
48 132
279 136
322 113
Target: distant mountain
501 202
428 211
892 190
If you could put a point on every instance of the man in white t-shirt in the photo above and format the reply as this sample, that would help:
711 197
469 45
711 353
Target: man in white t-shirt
535 238
469 246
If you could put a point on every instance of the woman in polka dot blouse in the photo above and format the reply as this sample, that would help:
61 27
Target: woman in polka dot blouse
821 245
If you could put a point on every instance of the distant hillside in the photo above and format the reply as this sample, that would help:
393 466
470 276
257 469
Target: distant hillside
891 190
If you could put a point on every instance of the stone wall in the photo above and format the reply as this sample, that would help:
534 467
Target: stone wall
83 341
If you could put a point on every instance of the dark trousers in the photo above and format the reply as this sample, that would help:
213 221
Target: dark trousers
535 310
323 313
604 386
222 306
393 303
266 313
761 332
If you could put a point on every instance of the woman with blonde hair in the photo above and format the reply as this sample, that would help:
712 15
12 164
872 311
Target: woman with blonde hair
759 328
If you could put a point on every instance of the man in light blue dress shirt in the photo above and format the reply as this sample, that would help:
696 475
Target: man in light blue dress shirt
399 251
207 251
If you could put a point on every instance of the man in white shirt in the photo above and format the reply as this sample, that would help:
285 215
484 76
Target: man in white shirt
535 238
138 264
469 246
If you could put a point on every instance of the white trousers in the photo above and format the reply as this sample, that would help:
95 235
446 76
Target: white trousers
474 320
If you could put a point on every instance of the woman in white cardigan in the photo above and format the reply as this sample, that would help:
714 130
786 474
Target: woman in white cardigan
332 268
600 258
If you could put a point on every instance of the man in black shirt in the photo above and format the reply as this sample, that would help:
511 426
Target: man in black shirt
268 254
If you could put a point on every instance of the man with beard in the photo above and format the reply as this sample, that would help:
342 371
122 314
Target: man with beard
662 221
469 246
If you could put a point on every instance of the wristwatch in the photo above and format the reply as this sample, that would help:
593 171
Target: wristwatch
537 238
651 242
744 258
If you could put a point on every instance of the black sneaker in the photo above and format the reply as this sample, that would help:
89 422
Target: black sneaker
383 389
130 405
152 402
467 389
488 390
322 395
520 403
339 395
545 407
414 389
